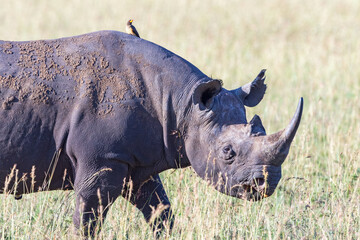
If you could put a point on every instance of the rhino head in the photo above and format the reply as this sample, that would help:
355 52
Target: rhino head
234 155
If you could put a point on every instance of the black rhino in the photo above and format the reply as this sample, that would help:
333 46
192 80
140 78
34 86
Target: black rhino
97 111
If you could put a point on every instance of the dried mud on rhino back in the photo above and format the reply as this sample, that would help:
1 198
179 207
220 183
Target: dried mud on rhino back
61 70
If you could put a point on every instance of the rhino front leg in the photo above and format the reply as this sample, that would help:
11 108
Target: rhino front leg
95 193
151 199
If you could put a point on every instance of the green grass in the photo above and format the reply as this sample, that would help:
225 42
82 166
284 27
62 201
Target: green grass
310 48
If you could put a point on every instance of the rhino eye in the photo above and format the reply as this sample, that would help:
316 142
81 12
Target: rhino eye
228 152
227 149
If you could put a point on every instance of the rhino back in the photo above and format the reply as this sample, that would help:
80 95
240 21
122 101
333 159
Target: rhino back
110 68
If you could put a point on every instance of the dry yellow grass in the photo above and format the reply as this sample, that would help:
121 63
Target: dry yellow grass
310 48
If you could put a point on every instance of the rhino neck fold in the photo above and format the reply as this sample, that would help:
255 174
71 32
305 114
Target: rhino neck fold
169 82
176 107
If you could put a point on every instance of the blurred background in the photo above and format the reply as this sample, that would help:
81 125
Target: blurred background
310 49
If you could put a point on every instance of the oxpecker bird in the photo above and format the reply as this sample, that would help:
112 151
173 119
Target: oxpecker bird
130 29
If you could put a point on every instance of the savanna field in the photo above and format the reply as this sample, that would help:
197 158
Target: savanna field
310 49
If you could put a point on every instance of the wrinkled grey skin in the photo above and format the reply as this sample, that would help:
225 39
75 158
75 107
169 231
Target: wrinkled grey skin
96 112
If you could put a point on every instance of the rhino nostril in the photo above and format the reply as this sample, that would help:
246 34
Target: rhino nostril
258 182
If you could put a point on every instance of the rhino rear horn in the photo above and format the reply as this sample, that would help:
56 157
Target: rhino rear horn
257 128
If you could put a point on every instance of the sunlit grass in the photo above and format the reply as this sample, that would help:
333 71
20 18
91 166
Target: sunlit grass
310 48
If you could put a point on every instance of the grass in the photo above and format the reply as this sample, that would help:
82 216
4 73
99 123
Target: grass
310 49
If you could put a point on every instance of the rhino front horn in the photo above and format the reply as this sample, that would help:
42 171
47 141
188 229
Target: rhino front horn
289 133
279 143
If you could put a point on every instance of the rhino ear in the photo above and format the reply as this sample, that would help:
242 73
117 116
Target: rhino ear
253 92
205 92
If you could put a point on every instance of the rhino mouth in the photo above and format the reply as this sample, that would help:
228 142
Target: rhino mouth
248 192
253 190
256 189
